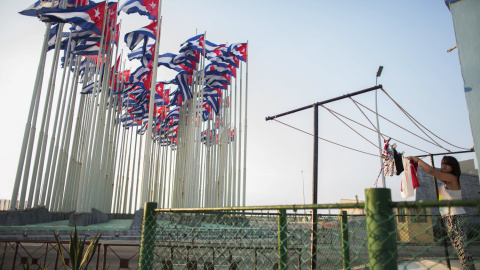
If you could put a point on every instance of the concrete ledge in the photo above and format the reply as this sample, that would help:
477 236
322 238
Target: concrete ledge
85 219
32 216
137 220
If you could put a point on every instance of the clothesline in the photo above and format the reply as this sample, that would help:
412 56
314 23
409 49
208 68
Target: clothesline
414 121
386 119
374 130
326 139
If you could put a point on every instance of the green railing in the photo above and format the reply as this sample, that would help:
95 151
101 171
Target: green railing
377 234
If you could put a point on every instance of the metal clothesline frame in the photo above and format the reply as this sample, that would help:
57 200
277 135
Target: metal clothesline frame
315 158
313 262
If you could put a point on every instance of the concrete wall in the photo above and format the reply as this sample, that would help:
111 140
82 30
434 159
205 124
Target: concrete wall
466 22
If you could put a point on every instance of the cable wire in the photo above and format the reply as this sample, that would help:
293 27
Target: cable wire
325 139
413 119
330 111
376 131
386 119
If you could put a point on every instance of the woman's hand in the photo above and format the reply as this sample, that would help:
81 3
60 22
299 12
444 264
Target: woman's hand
414 158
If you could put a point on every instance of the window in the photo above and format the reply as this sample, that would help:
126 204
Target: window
401 214
418 215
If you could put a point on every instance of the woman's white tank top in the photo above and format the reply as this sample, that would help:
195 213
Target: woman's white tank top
448 195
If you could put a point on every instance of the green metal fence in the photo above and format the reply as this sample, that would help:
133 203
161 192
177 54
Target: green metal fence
377 234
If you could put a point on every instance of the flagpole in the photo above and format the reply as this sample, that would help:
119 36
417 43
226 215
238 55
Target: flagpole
56 130
133 174
67 66
113 153
240 136
120 170
140 146
45 119
29 133
57 167
62 99
74 167
148 139
236 182
67 140
85 179
95 193
245 134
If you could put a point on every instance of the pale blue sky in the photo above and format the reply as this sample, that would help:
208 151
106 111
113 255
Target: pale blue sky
300 53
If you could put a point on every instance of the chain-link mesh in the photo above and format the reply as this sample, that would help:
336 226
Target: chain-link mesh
381 236
425 239
254 240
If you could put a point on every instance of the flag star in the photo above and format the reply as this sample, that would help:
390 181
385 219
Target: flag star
97 13
152 5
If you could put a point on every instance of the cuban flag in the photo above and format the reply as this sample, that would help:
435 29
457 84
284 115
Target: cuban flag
184 85
216 93
52 38
217 70
133 38
139 54
172 114
138 73
188 58
212 102
86 17
167 61
239 50
196 40
126 120
210 78
147 8
88 89
74 3
226 59
33 9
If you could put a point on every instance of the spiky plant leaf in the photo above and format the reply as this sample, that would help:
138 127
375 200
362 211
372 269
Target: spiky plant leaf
60 250
90 251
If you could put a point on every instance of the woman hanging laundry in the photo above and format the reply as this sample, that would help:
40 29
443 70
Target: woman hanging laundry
453 217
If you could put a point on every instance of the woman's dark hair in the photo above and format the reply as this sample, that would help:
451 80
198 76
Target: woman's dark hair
453 162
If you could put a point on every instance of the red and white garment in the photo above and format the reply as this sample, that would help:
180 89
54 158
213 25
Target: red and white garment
409 178
389 161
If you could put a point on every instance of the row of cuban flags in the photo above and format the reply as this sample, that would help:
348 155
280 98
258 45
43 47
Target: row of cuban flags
88 36
85 39
224 60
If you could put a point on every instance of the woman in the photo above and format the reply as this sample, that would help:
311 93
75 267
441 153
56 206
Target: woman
454 218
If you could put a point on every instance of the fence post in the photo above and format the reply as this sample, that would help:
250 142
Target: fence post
345 241
147 243
382 242
282 239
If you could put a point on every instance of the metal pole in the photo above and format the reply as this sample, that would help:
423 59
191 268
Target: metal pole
444 240
448 153
382 244
325 102
313 262
379 140
282 240
148 237
345 241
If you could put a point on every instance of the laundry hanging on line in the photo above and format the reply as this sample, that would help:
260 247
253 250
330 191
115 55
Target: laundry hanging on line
395 163
409 178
